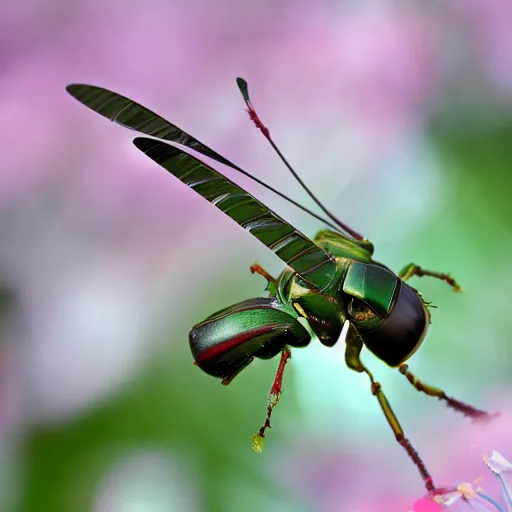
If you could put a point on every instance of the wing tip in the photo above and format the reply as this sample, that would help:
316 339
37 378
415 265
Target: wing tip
144 144
73 88
76 88
156 149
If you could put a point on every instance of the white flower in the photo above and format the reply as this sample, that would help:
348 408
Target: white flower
503 469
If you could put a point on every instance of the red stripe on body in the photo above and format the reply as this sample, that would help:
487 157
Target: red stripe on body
235 342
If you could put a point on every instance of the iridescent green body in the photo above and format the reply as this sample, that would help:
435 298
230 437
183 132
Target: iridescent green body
328 281
364 292
325 310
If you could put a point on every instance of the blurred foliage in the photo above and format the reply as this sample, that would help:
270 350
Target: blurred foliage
480 157
6 302
476 161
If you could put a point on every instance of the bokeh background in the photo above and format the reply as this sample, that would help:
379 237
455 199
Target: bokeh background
397 114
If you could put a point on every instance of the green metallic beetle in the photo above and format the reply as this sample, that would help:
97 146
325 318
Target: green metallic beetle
329 280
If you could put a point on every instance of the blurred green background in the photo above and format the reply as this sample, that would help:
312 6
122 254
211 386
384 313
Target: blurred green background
398 115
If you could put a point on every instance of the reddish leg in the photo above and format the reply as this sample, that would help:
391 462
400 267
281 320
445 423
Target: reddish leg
256 269
399 433
457 405
273 400
354 345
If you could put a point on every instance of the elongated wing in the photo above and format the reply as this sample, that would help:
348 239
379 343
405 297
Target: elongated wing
132 115
314 264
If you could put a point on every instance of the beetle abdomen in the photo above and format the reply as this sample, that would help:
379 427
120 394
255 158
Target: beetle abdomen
228 340
403 331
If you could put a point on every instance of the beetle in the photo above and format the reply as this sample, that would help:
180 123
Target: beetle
329 280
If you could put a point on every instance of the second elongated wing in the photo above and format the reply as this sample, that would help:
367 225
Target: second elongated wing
300 253
132 115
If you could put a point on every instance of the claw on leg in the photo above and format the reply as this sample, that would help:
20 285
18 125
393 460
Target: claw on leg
273 399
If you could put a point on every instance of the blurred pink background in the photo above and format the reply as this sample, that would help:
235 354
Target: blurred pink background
111 261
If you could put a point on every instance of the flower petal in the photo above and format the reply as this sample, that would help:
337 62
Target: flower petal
497 463
503 469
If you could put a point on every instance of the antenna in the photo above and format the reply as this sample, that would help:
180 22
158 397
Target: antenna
244 89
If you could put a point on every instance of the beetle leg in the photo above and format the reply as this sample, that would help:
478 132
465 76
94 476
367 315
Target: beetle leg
465 409
414 270
399 433
273 399
257 269
352 356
